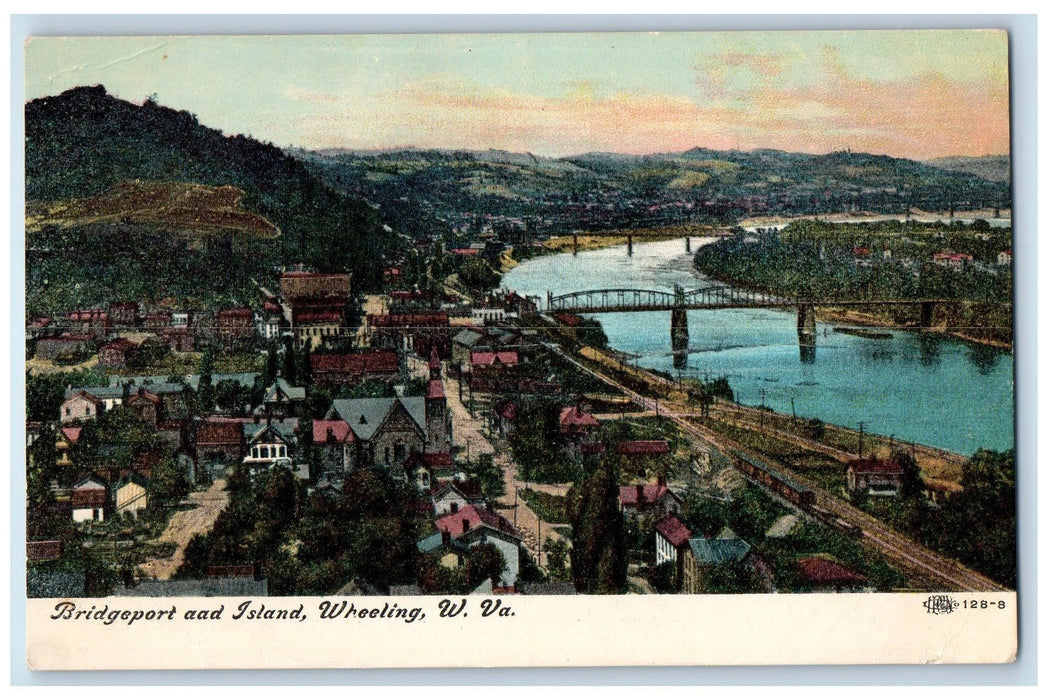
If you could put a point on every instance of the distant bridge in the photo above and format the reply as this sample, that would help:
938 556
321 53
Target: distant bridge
679 301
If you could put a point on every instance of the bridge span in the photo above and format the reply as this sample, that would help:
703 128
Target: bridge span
679 301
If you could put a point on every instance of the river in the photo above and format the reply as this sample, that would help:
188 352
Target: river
927 389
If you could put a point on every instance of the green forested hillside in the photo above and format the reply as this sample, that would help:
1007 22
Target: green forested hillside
84 142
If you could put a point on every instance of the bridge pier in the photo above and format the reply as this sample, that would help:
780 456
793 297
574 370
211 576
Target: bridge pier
927 313
679 337
574 244
806 332
629 244
687 244
679 328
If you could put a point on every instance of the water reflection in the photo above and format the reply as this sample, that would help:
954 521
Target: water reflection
984 358
930 347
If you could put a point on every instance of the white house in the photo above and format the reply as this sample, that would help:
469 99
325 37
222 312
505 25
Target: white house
474 526
89 498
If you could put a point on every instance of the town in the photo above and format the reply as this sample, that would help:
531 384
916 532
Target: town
256 374
442 445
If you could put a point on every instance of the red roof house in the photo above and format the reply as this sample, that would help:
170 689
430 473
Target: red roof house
647 500
575 421
472 518
352 368
877 476
332 431
824 574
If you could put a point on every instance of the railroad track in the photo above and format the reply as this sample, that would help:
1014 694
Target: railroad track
898 548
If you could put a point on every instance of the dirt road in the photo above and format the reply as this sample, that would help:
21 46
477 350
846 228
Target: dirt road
186 523
467 435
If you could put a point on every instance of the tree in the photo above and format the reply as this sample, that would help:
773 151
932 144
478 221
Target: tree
556 558
484 562
598 556
168 485
205 395
912 484
663 578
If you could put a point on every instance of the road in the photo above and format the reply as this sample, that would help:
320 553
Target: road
186 523
901 550
467 435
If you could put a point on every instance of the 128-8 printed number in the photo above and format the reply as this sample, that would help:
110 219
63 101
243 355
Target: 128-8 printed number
983 604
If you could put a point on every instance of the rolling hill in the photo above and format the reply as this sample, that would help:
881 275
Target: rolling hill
113 190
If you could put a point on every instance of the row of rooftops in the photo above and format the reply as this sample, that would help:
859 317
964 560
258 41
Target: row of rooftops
727 548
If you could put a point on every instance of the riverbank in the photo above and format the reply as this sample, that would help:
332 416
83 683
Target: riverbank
873 320
598 240
849 315
870 217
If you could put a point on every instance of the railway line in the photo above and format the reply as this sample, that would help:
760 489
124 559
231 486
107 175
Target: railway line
899 549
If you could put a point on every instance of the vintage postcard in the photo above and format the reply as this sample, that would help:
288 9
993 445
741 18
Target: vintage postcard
396 350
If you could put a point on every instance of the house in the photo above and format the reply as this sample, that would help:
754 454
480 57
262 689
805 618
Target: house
821 574
178 339
590 452
312 328
156 320
271 320
123 314
117 354
703 554
234 326
80 406
951 260
282 400
877 477
110 396
473 526
334 370
220 440
313 289
575 426
90 498
463 343
493 362
451 552
505 414
389 430
131 494
146 405
317 304
270 443
39 326
428 468
93 322
174 396
643 501
419 332
1004 257
671 537
64 347
337 445
453 496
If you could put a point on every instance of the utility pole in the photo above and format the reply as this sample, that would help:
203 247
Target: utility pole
540 541
793 406
862 428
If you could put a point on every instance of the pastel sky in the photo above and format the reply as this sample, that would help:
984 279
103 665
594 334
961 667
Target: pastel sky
915 94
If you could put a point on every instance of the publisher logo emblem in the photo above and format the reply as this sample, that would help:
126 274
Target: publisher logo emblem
940 605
